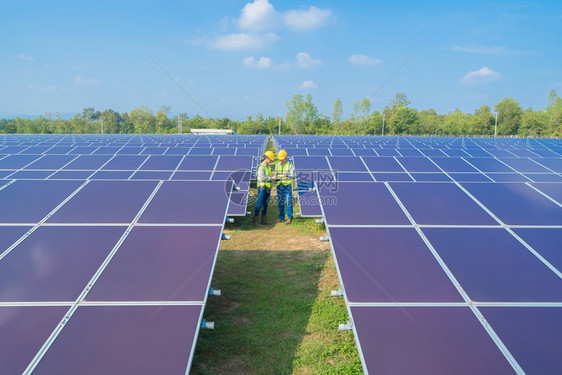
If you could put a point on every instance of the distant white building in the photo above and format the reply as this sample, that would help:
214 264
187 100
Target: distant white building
212 131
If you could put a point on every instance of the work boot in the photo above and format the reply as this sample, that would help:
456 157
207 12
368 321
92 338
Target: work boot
279 221
256 221
289 221
264 220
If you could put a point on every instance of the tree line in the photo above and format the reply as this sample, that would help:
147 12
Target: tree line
303 117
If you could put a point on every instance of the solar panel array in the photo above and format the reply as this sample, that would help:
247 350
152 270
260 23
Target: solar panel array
450 260
107 248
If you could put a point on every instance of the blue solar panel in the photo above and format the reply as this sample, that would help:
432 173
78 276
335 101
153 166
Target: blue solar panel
517 204
492 266
381 262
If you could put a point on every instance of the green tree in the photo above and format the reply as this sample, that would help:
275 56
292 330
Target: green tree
509 116
111 121
162 122
336 115
143 120
295 116
554 114
483 121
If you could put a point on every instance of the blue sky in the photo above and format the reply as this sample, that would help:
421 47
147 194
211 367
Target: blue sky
240 58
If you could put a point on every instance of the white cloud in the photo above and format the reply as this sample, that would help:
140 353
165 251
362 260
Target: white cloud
262 63
308 85
364 60
283 66
258 16
243 41
494 51
83 81
483 75
303 20
305 61
26 57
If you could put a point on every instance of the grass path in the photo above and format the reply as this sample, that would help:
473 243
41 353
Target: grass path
276 315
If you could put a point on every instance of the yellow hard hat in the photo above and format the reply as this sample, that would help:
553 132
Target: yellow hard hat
282 155
270 155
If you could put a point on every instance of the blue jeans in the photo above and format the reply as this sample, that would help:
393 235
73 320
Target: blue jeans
285 196
263 198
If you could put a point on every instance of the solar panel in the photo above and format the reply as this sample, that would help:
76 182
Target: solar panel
17 161
349 164
360 203
189 202
426 340
413 164
51 162
198 163
492 266
55 263
554 191
545 241
517 203
536 340
9 235
440 204
160 264
111 175
105 202
454 165
389 265
24 329
143 339
89 162
380 164
124 163
161 163
31 201
524 165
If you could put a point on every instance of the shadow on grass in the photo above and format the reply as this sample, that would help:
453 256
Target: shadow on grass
262 317
246 222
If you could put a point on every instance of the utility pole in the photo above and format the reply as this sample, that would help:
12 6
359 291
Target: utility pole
180 124
101 131
382 123
279 120
496 126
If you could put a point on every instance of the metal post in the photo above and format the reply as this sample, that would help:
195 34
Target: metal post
496 126
180 124
382 123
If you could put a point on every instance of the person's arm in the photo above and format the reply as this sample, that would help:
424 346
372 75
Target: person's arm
291 172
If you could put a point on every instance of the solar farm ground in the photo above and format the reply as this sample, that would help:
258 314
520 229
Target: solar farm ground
277 316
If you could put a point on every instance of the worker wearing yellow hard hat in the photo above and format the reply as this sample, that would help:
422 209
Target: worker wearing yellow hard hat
284 175
265 177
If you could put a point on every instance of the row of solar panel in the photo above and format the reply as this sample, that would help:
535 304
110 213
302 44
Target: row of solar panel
128 162
119 150
425 164
30 199
445 203
101 273
132 138
427 152
420 263
412 140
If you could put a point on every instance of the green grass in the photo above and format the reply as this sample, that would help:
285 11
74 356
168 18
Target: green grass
276 317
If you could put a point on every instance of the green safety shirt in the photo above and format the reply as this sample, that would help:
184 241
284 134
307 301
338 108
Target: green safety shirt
264 176
284 169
